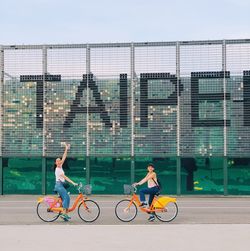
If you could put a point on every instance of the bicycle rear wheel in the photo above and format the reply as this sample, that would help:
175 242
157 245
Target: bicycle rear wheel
45 214
168 213
88 211
125 213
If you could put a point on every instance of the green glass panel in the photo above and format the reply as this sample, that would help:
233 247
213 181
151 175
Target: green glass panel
74 168
238 176
22 175
108 175
165 169
202 176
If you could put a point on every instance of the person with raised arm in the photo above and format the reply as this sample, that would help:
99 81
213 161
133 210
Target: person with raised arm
61 185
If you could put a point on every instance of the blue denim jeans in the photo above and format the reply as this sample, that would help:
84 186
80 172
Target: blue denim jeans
63 193
151 191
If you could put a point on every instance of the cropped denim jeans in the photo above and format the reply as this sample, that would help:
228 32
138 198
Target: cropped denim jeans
151 191
63 193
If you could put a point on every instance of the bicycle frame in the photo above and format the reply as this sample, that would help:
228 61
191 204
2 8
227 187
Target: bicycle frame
79 198
151 209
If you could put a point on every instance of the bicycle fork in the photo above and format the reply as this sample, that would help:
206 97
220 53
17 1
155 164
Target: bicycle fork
133 199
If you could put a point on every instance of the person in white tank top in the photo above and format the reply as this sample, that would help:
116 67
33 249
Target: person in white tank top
152 189
60 183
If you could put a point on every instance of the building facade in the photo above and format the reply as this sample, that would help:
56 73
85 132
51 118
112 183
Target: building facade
180 105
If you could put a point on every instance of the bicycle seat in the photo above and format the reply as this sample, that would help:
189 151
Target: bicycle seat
55 192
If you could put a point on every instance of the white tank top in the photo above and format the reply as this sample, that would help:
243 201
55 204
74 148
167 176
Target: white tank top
151 183
58 173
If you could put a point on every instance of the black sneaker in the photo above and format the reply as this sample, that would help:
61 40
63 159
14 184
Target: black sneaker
151 218
143 205
65 217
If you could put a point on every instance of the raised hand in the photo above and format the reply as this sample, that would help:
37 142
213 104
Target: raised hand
63 144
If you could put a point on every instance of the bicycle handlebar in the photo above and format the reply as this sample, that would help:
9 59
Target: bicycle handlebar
79 187
134 187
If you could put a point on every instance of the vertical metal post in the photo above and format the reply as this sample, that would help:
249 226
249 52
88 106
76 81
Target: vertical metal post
132 170
178 175
224 100
225 171
178 96
1 116
224 67
87 116
87 170
1 176
44 171
178 162
1 97
44 175
132 87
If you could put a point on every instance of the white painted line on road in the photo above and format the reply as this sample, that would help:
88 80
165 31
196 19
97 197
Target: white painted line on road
17 208
180 208
128 225
18 201
116 201
117 225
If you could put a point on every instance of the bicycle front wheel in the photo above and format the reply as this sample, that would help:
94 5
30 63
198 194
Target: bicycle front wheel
124 212
88 210
168 213
44 212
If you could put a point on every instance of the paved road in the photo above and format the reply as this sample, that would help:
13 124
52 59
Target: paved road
21 210
205 224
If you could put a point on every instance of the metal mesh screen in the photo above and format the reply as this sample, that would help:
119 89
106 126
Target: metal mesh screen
65 99
22 135
142 99
201 106
109 120
238 87
155 100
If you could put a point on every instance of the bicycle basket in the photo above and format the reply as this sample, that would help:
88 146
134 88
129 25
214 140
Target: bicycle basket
128 189
87 189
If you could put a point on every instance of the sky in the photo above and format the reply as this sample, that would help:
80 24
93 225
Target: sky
98 21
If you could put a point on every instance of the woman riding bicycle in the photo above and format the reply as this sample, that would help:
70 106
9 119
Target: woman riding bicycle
60 183
152 189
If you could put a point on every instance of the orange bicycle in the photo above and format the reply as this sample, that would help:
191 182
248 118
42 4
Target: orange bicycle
49 208
164 208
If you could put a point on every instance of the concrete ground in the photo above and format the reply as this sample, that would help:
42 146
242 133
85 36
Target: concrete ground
203 223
